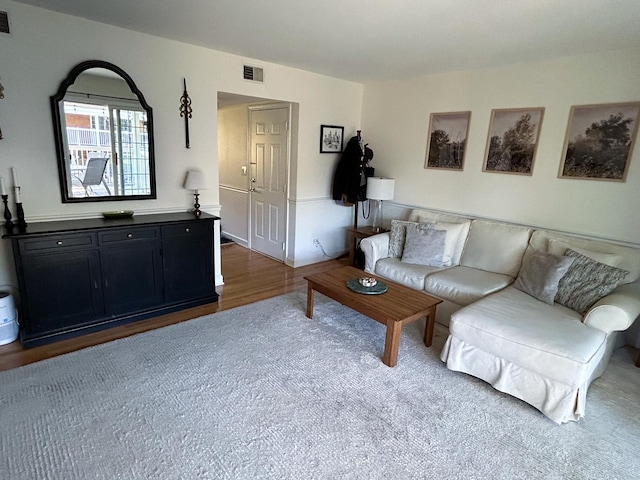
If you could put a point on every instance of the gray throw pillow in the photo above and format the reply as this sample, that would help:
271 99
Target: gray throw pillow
397 236
540 274
586 282
423 246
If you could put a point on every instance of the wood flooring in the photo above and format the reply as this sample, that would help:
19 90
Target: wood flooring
248 276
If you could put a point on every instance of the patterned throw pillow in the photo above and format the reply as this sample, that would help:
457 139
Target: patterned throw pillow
423 246
541 273
586 282
397 235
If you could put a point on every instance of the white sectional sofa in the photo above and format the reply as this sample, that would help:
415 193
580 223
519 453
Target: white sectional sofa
518 301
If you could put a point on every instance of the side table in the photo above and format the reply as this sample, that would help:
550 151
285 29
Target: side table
356 234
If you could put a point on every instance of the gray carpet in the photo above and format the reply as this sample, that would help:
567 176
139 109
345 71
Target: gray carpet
263 392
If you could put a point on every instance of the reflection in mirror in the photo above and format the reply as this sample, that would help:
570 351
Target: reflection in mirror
104 136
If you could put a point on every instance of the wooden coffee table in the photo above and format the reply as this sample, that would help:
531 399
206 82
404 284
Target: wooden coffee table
396 307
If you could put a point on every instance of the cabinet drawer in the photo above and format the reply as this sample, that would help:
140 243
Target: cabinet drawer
110 237
57 243
179 229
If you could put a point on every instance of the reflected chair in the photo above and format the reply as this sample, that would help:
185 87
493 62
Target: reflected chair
94 175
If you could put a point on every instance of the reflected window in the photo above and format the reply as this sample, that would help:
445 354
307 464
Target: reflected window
110 129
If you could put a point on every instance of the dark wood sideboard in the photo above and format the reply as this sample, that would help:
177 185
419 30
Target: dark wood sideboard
80 276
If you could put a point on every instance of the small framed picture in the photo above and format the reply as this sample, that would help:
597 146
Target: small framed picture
331 138
599 141
447 140
513 140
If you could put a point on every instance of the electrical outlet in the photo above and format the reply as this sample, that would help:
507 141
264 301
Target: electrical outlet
316 242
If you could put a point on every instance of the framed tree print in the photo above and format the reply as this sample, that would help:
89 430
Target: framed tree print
331 138
513 140
599 141
447 140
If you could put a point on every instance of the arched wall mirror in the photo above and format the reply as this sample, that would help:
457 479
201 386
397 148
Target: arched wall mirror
103 130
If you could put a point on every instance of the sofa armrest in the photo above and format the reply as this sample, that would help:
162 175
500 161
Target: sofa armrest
617 311
374 248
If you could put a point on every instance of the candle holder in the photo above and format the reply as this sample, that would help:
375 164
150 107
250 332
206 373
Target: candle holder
21 223
7 213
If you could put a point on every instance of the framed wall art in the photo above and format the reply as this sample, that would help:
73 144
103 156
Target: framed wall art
599 141
447 140
513 140
331 138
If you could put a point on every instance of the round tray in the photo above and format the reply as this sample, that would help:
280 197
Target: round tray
377 289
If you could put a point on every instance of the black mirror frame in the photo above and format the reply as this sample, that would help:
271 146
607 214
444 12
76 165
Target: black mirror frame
57 132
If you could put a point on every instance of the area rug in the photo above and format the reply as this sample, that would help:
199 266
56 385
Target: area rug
261 391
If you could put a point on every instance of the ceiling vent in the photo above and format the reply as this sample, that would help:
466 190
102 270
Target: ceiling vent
255 74
4 22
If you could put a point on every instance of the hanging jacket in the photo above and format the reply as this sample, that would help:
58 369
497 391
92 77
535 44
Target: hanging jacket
349 180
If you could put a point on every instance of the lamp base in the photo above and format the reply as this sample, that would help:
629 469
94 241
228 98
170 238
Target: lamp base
377 216
196 206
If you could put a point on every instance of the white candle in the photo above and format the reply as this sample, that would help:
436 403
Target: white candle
15 177
3 191
17 190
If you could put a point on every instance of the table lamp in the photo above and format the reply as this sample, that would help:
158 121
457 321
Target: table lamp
379 189
195 181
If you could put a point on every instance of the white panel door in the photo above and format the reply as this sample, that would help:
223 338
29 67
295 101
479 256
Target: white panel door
268 180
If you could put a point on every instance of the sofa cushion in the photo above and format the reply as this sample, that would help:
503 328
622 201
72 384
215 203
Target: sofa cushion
424 246
464 285
404 273
558 247
629 257
540 274
586 282
454 242
495 247
550 340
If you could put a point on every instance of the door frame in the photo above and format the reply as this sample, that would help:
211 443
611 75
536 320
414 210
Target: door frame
261 107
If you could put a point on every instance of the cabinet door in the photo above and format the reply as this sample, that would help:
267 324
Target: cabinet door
61 290
187 253
132 276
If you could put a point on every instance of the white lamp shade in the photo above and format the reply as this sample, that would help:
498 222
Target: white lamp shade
380 188
195 180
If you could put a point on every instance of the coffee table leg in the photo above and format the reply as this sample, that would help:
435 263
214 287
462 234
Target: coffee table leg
309 301
391 344
429 326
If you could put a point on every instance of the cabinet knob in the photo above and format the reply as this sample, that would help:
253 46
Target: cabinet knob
129 235
59 242
187 230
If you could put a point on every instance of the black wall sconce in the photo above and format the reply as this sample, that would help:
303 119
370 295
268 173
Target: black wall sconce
185 111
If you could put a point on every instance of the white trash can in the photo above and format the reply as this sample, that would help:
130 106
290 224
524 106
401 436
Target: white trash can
8 319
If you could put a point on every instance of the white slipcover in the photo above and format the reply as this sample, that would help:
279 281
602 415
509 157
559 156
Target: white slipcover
540 353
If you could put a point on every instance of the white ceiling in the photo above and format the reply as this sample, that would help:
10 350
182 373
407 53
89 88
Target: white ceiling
368 40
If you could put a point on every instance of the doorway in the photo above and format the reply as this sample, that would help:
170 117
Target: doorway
254 152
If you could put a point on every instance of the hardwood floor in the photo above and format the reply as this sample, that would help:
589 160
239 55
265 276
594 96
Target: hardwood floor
248 276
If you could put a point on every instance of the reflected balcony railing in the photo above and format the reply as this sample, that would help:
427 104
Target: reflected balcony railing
88 137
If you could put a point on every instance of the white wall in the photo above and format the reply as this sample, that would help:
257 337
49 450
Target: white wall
233 124
44 46
396 121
